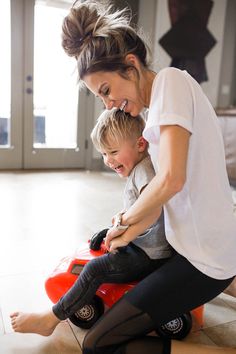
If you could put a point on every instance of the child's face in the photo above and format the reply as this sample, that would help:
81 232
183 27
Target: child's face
122 157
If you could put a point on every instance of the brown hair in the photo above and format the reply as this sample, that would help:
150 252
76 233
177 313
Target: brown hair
100 38
116 125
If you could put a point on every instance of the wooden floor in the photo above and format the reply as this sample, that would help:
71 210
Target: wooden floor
45 216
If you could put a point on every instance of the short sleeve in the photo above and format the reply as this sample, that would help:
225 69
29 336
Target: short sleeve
171 102
144 172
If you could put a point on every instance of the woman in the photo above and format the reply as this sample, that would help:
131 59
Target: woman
191 183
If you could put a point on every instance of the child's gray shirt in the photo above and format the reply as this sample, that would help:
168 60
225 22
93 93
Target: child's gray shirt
153 242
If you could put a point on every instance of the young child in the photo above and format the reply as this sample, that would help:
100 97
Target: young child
118 137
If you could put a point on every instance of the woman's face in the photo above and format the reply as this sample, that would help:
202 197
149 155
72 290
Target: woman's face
116 91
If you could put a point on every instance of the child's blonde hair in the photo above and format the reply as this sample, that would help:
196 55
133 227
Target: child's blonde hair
115 125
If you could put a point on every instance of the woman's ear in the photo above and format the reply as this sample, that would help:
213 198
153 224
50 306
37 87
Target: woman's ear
142 144
132 60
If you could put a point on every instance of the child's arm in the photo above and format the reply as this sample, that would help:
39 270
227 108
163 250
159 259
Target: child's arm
174 143
112 241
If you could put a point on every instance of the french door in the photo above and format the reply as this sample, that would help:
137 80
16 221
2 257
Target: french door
43 116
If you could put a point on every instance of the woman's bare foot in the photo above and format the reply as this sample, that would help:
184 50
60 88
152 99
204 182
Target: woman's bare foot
40 323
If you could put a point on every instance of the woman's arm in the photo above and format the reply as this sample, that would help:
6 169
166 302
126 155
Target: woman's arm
170 179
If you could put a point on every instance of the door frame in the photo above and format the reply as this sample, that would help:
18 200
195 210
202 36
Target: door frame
12 156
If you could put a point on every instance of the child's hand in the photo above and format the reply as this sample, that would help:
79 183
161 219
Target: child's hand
111 235
116 243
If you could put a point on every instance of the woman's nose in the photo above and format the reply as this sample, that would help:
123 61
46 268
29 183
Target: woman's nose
109 103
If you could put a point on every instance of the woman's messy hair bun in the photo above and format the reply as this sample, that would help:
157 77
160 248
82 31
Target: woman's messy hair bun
100 38
89 20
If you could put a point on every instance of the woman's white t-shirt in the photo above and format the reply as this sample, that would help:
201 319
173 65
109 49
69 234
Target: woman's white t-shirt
199 220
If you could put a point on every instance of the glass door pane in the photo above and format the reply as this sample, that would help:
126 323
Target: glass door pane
55 90
5 74
54 121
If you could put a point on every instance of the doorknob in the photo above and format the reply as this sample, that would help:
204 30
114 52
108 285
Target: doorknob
29 91
29 78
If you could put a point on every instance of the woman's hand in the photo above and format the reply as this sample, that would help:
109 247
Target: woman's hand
114 239
116 243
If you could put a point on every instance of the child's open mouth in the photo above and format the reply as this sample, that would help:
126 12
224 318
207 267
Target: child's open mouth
118 168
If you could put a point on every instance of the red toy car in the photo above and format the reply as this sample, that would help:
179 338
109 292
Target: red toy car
69 268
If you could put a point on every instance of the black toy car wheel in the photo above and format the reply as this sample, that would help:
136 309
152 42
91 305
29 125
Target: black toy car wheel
178 328
89 314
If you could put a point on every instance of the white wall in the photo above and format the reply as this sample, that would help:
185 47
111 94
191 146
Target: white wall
146 20
213 59
227 87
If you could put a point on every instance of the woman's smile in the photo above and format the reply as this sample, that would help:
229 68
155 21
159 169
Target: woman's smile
123 105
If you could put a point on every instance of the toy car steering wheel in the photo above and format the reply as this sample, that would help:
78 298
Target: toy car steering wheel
96 239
